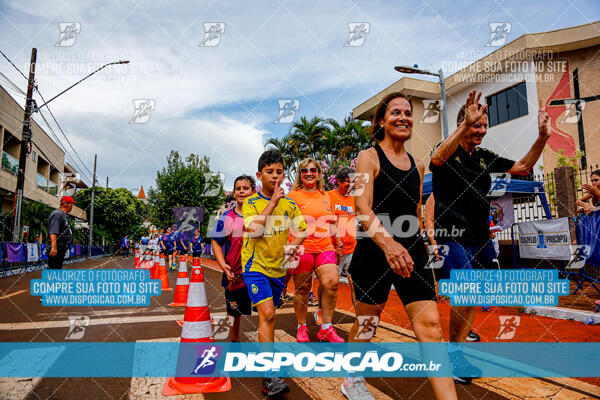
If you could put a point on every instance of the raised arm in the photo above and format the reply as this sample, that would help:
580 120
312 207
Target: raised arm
525 165
473 111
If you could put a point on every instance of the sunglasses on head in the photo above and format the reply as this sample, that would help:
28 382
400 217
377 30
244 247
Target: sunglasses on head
312 170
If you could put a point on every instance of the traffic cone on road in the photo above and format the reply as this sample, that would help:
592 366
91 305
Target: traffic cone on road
136 259
162 275
158 261
183 284
196 328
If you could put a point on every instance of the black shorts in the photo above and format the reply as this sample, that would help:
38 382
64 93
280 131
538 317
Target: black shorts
238 302
167 252
196 254
372 276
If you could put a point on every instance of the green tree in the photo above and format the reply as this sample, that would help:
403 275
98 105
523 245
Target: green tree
116 212
35 215
185 182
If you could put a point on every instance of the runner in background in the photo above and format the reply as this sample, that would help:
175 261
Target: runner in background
125 246
167 245
322 251
227 240
177 237
383 258
144 241
196 245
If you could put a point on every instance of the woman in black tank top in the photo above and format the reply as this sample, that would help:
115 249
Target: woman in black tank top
390 248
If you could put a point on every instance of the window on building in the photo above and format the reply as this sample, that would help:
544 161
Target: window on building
507 105
33 156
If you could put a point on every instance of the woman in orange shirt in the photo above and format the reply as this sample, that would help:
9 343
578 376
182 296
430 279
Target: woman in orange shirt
322 250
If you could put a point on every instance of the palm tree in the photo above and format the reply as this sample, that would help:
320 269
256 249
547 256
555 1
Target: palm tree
306 136
36 216
353 136
284 147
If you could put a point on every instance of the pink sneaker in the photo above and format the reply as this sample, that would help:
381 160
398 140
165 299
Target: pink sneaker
302 335
329 335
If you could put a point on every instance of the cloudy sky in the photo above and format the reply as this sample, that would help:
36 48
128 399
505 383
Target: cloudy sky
220 99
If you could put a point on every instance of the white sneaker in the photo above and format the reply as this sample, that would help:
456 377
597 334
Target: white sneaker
356 389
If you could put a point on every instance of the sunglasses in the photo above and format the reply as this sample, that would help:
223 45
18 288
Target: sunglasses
312 170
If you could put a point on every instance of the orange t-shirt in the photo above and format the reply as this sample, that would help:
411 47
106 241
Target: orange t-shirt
345 211
316 210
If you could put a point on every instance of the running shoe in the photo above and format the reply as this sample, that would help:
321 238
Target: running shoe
329 335
274 386
356 389
486 308
280 304
472 337
302 335
286 297
319 317
312 301
462 370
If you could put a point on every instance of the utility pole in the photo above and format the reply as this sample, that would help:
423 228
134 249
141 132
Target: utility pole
91 241
107 183
25 142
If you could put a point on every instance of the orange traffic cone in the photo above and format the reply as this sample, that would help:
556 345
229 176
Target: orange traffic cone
195 264
183 284
196 328
148 262
158 261
136 259
162 275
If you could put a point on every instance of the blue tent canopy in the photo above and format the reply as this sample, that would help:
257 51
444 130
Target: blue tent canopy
514 186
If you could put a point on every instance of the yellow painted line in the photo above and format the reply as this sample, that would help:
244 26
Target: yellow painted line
12 294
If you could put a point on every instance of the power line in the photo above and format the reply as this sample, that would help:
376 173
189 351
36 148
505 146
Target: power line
11 63
51 114
61 130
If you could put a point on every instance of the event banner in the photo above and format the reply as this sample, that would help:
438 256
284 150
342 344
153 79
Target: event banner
549 239
502 212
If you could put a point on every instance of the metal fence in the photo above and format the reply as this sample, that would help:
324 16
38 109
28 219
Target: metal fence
529 207
17 259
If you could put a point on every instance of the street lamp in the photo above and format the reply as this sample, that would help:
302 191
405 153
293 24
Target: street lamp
440 74
81 80
30 108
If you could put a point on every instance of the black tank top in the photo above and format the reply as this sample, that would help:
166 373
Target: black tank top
396 194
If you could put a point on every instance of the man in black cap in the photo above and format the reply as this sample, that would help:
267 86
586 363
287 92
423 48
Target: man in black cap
60 233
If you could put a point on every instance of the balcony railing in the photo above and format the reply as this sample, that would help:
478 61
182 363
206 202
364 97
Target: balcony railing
10 164
42 182
52 188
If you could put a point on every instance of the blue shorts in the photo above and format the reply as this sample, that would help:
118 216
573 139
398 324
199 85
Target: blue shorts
465 256
261 287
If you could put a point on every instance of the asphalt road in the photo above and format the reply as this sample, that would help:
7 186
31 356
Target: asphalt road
24 319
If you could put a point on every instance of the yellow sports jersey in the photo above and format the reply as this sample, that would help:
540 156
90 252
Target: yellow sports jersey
265 253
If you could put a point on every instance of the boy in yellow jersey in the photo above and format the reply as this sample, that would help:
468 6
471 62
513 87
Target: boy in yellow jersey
268 218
